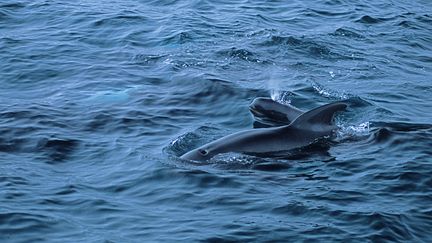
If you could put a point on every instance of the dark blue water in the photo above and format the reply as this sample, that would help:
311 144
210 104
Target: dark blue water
99 98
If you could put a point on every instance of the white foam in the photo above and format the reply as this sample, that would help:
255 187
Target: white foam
346 132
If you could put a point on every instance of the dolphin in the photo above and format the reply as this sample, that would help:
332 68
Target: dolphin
302 131
270 113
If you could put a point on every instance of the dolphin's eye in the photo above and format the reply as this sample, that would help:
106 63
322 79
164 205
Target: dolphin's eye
203 151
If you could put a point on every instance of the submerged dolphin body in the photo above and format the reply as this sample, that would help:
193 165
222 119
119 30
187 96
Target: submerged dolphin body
304 130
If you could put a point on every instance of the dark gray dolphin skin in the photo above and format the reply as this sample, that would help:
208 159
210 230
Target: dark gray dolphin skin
304 130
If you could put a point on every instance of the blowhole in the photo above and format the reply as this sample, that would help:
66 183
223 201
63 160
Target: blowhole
203 151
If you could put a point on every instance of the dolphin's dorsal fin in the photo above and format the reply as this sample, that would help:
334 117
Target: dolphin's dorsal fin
322 115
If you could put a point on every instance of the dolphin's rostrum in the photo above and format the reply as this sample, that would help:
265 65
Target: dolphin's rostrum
302 131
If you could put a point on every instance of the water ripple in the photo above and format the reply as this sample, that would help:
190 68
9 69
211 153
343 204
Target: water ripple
99 99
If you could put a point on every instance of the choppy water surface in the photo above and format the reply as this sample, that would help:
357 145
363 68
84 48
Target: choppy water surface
99 98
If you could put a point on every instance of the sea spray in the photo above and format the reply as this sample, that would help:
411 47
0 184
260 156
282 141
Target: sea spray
276 92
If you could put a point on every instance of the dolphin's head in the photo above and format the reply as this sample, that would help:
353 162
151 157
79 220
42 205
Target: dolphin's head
199 154
266 108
